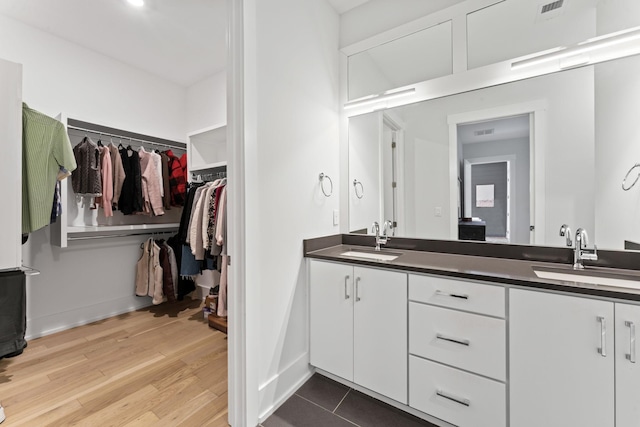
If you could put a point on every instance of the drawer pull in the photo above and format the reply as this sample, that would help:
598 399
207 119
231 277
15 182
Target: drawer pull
346 294
448 294
453 340
603 336
459 400
631 356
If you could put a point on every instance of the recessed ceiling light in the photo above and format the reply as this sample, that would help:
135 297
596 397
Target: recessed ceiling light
136 3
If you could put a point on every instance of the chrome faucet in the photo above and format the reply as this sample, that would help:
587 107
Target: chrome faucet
380 240
580 252
565 231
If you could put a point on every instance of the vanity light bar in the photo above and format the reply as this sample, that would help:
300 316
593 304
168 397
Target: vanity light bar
590 45
377 98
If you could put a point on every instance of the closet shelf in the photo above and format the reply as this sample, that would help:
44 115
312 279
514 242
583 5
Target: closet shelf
209 166
122 228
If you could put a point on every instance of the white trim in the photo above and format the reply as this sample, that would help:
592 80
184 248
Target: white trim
459 10
41 326
537 143
238 377
299 370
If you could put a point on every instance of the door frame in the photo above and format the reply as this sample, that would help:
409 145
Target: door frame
538 137
396 125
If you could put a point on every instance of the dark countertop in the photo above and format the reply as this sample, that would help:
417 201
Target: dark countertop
485 268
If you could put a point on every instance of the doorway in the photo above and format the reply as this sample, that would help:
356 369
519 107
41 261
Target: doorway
514 133
487 193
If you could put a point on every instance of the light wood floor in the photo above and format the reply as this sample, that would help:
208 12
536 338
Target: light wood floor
160 366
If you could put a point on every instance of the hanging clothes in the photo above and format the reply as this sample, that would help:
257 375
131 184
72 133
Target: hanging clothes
117 173
130 200
152 200
45 148
177 180
166 193
106 199
86 180
149 273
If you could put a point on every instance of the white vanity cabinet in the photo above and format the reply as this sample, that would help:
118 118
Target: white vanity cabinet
457 350
627 365
562 361
358 326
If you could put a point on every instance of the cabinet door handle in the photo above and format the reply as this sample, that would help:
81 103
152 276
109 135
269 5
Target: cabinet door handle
346 293
631 356
357 289
460 400
453 340
603 336
448 294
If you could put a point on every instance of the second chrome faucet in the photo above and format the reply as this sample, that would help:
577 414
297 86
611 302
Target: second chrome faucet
384 238
580 251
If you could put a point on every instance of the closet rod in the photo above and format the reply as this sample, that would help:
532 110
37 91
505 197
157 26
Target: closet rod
95 132
104 236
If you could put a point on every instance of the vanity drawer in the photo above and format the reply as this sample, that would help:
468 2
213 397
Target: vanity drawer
460 398
467 341
459 294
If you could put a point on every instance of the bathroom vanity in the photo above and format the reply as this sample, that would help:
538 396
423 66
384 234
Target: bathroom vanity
461 339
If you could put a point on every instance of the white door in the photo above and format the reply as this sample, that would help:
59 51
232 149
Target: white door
627 366
561 361
331 318
380 332
11 137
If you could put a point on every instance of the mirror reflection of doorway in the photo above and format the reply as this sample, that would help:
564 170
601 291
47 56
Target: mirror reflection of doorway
494 160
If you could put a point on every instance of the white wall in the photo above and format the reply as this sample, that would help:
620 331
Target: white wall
377 16
291 135
90 279
207 102
63 77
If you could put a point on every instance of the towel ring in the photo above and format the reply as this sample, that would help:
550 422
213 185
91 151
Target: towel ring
624 181
322 177
355 187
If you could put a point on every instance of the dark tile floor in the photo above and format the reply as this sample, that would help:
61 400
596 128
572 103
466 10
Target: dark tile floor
322 402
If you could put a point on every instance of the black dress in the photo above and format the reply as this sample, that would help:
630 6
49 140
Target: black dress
131 195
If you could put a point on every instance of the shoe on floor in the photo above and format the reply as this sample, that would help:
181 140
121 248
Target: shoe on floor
1 414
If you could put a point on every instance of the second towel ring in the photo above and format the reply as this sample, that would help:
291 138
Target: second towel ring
624 181
322 178
355 188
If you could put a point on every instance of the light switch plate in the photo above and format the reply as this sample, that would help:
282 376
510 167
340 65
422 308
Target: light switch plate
438 211
336 217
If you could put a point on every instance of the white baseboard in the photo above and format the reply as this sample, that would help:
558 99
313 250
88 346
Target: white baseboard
40 326
282 386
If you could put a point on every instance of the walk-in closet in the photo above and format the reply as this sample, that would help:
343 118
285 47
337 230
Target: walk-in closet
114 282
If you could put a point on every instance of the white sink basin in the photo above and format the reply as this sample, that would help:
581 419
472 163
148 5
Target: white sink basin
587 277
376 256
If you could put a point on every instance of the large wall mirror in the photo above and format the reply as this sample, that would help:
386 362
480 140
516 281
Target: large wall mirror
521 159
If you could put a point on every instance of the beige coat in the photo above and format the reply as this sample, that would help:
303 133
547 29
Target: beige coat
149 273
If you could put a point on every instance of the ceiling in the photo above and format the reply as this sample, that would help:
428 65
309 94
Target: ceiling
182 41
342 6
494 130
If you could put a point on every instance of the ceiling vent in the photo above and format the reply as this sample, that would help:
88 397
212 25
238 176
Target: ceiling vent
551 6
483 132
550 10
